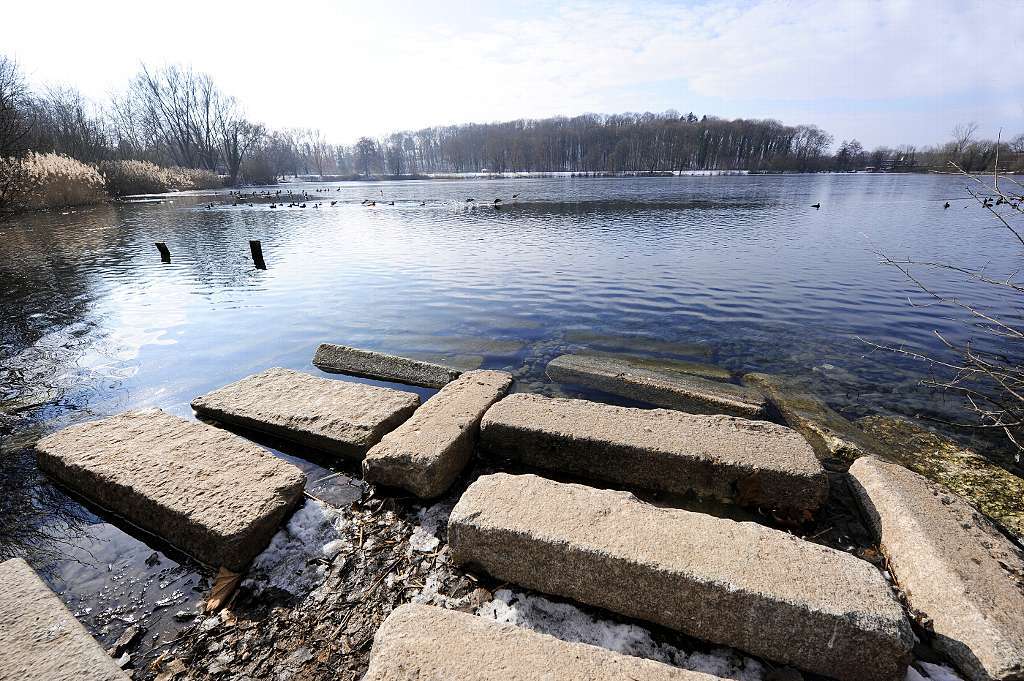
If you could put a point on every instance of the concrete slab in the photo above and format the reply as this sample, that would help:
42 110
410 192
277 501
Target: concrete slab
426 453
40 640
732 583
728 458
337 417
341 359
952 565
212 494
831 435
662 387
427 642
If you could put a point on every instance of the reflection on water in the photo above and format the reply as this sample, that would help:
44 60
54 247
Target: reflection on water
735 270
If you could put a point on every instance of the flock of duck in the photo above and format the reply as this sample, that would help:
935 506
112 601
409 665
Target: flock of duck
305 199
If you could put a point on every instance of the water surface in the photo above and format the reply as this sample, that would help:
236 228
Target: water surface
739 271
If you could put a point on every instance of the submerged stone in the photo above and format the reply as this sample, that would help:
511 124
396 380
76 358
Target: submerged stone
40 639
996 492
340 359
731 583
637 343
211 494
337 417
426 453
428 642
645 381
952 565
751 462
831 435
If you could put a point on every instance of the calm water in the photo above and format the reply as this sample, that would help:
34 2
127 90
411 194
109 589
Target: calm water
735 270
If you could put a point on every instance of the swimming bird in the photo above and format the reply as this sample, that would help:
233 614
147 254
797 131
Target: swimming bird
470 200
515 196
816 206
497 200
946 206
333 202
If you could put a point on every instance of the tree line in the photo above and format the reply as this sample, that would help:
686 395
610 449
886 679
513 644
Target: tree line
175 116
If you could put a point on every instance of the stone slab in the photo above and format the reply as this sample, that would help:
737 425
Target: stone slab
212 494
728 458
427 642
996 492
831 435
341 359
426 453
40 640
733 583
661 387
337 417
952 565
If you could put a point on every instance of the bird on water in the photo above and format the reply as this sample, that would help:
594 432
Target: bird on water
816 206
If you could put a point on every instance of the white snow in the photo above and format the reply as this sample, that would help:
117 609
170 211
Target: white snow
296 559
937 672
430 521
570 623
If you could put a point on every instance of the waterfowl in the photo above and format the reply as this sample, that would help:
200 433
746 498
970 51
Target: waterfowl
946 206
816 206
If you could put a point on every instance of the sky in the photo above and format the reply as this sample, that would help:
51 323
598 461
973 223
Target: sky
885 73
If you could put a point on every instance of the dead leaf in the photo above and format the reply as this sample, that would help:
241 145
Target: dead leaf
223 586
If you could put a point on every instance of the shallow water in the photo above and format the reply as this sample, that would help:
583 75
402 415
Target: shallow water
739 271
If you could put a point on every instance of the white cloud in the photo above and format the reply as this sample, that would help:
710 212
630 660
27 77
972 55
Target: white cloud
353 68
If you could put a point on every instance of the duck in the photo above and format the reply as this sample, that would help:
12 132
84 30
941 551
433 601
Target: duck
946 206
816 206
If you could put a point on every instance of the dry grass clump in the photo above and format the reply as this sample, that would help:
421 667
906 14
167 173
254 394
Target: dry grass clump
142 177
41 181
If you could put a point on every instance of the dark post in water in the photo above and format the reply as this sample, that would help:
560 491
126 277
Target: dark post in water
257 254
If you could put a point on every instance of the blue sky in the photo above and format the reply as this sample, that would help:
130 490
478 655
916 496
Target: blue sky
883 72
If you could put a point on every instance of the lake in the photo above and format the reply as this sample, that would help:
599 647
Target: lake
736 270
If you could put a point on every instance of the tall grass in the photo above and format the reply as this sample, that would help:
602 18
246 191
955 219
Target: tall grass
40 181
142 177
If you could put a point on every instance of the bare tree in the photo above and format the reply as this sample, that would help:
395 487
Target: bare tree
15 127
174 110
963 133
237 136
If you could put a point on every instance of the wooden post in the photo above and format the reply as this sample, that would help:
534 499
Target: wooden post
257 254
165 254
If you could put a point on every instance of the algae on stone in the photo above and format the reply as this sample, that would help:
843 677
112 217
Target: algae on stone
831 435
996 492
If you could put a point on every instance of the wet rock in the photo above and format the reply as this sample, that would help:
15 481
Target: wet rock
737 584
39 638
426 453
831 435
646 382
212 494
126 641
637 343
996 492
342 359
427 642
337 417
751 462
952 565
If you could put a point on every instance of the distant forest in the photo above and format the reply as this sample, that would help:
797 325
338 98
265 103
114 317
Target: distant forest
173 116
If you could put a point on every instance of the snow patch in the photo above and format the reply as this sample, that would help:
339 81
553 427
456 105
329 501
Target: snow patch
570 623
937 672
296 559
430 520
